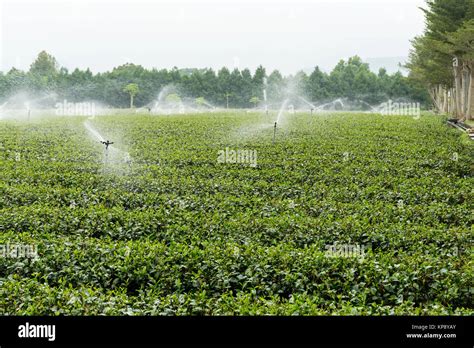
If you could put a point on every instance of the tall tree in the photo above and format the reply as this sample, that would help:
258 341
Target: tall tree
45 65
317 85
275 86
132 89
43 72
435 60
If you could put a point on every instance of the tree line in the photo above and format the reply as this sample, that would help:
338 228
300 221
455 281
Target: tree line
235 88
442 58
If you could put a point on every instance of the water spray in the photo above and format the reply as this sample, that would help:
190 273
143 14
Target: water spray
311 105
209 105
282 109
1 107
332 103
28 110
372 109
265 94
291 109
107 143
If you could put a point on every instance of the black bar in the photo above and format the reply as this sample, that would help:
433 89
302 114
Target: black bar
241 330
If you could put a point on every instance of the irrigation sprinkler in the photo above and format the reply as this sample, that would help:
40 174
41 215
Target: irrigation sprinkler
107 143
274 132
311 105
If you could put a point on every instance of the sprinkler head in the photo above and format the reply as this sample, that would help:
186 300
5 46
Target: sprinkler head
274 132
107 143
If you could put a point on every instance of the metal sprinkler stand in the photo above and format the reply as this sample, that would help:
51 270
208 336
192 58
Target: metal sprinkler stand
312 109
274 132
107 143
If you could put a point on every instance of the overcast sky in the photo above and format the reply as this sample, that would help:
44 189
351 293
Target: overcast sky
280 34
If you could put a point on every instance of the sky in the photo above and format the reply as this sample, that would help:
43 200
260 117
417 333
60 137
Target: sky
279 34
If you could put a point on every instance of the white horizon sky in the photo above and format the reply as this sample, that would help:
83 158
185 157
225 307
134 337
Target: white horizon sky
279 34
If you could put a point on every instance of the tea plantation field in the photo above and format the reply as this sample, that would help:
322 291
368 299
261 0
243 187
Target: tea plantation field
174 231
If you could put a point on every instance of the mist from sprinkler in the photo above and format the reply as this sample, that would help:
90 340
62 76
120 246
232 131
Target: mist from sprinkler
312 106
28 110
370 106
332 103
1 107
93 131
280 113
265 94
164 105
282 109
209 105
22 105
30 102
108 146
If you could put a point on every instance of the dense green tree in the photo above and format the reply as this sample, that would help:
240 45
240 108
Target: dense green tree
173 99
317 87
254 101
132 89
435 59
275 87
224 86
45 65
258 81
349 79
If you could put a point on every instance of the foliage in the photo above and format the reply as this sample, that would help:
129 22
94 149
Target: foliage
173 98
351 79
132 89
432 53
180 233
255 101
200 101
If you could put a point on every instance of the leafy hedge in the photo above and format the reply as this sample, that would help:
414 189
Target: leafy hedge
179 233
